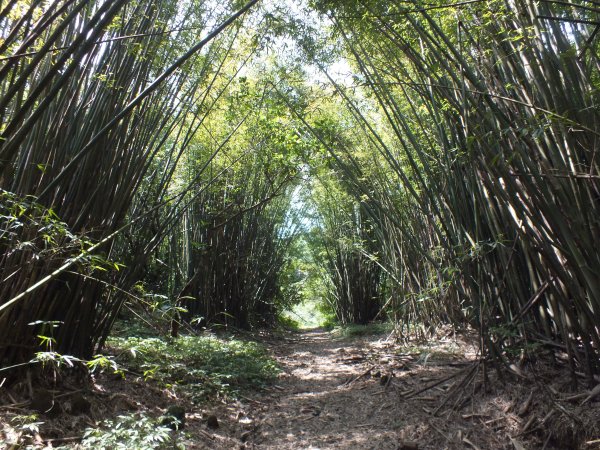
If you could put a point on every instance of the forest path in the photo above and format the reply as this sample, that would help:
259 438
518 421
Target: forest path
324 399
364 393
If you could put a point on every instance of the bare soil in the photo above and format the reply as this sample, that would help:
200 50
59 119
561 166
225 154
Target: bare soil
365 393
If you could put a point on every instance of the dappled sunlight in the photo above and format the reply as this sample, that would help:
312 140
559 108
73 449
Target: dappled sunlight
346 393
370 393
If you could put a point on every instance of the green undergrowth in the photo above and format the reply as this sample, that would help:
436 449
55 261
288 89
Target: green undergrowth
202 366
130 432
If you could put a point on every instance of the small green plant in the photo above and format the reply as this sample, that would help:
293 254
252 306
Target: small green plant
101 363
54 360
129 432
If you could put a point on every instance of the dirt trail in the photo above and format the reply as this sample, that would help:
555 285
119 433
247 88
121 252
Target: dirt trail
323 401
357 393
369 393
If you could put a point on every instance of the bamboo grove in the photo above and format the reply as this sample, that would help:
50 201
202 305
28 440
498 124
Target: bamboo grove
159 156
120 154
485 184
